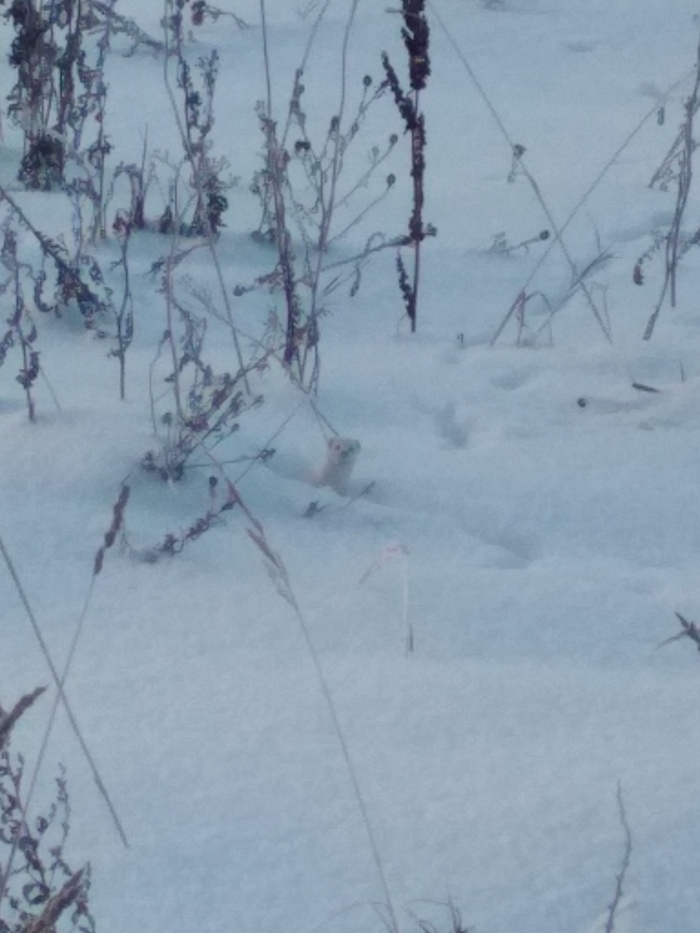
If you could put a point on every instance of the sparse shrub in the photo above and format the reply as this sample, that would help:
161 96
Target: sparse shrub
676 170
299 191
174 542
75 281
195 121
59 103
204 405
39 891
57 95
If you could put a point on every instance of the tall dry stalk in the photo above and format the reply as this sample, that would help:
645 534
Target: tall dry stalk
416 35
300 354
681 156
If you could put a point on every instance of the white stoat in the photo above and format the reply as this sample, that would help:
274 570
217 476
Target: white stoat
342 452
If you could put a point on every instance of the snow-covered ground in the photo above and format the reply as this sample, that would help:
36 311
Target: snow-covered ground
533 517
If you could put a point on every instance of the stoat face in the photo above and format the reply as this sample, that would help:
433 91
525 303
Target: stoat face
343 449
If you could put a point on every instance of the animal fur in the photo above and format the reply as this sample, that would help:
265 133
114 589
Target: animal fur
341 454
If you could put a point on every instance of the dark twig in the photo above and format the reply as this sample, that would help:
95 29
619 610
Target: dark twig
416 34
59 680
624 865
689 630
684 180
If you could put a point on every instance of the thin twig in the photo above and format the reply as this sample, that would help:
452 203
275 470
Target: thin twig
280 577
60 697
59 680
684 182
624 865
557 230
328 205
689 630
302 66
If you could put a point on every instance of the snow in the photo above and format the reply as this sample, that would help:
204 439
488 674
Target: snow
532 516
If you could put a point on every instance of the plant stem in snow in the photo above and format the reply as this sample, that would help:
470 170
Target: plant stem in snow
59 680
624 866
415 33
684 182
280 578
198 183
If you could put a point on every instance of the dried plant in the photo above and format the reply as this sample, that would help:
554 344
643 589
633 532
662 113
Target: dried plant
58 94
675 170
99 15
503 248
139 178
203 405
123 314
39 891
89 183
280 579
455 921
72 280
688 630
21 330
59 679
299 188
202 11
416 34
195 121
174 542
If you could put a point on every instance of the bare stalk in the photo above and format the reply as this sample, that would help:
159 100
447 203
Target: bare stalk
59 680
328 206
280 577
415 33
518 152
276 158
198 183
418 141
684 182
168 288
302 66
624 865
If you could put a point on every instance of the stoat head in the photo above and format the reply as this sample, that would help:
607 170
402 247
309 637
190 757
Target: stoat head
343 448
